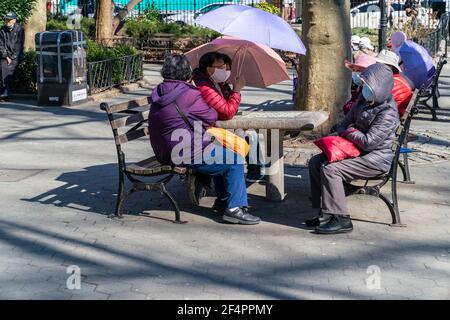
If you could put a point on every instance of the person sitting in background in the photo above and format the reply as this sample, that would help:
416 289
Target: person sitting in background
416 61
403 87
177 106
365 47
211 77
355 43
371 126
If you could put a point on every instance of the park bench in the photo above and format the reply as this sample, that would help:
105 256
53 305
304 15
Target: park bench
158 45
432 93
354 187
129 122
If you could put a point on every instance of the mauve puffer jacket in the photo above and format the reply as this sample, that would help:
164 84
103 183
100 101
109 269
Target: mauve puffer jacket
371 126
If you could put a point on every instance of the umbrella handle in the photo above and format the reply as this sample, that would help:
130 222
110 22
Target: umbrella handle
241 63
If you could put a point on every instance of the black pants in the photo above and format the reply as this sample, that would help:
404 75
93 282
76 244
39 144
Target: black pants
8 72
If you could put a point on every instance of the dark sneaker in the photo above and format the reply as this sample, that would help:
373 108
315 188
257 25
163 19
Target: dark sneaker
317 221
255 178
4 95
240 216
254 173
337 224
196 189
219 205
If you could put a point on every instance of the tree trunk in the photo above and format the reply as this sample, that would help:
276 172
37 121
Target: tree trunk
325 82
35 23
103 23
119 18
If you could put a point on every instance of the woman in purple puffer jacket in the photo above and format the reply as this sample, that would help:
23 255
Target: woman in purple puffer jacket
177 111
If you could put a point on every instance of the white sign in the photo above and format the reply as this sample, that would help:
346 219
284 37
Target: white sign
78 95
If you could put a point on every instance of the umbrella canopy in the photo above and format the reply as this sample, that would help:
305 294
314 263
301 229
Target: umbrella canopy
417 63
258 64
254 25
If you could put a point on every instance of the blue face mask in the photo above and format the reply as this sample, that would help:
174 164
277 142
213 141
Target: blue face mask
368 94
356 79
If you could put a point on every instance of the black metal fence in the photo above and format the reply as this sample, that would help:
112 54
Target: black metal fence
425 13
433 40
106 74
180 11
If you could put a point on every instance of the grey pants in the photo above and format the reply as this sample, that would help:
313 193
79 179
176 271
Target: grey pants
327 181
8 72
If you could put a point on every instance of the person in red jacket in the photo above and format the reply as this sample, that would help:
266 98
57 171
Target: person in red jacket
403 86
211 79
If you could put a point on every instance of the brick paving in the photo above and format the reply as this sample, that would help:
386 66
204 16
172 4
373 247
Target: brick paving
58 181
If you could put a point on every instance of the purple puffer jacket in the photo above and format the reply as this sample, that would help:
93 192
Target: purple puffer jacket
164 120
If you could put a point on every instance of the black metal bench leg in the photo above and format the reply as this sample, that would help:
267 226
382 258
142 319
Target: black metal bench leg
433 111
405 170
436 101
121 196
393 206
174 204
402 167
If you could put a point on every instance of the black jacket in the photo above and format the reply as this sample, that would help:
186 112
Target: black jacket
11 42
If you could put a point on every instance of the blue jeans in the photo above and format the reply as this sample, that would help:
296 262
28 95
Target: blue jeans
229 181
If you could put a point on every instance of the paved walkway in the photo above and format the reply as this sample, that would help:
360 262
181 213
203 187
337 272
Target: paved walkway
58 182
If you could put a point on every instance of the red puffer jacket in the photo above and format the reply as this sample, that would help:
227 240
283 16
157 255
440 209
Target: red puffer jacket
226 103
402 92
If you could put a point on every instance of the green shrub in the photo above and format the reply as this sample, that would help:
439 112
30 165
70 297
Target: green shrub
87 26
270 8
56 24
25 77
143 27
22 8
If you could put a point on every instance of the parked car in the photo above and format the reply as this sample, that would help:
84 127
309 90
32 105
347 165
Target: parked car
188 17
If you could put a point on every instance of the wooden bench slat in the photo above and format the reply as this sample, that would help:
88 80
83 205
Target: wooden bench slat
126 105
130 136
126 121
151 166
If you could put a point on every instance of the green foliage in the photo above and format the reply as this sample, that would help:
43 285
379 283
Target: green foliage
143 27
121 50
97 52
87 25
22 8
25 78
372 34
270 8
152 13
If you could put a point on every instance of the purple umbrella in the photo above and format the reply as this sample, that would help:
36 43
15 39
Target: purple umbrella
253 25
417 64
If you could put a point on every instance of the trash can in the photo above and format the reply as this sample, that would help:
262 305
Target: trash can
61 67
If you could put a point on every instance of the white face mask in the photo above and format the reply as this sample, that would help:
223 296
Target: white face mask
221 75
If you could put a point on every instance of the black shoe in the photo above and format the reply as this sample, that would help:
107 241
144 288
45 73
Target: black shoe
317 221
240 216
196 189
219 205
337 224
254 173
4 95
